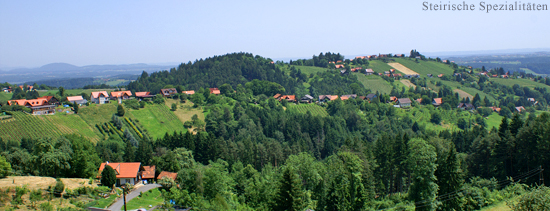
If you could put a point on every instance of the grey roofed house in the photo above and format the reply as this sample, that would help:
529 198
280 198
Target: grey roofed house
306 99
371 96
404 102
466 106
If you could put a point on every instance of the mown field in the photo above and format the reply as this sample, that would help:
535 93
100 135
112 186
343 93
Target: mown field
521 82
157 120
378 66
5 96
426 67
314 109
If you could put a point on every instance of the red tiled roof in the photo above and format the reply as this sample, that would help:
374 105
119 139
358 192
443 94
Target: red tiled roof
168 174
189 92
437 101
31 103
74 98
123 170
277 96
344 97
148 172
288 97
120 94
141 94
97 94
215 91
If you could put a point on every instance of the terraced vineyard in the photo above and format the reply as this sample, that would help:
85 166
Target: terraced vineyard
313 108
28 126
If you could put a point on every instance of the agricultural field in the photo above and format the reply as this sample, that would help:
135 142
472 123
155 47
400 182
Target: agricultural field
185 110
521 82
426 67
157 119
402 69
5 96
463 94
97 114
74 91
374 83
308 70
315 109
493 120
70 123
378 66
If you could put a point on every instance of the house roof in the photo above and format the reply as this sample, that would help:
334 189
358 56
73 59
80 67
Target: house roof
121 94
393 98
288 97
74 98
28 103
520 108
48 98
277 96
344 97
123 170
189 92
371 95
98 94
338 66
168 91
148 172
144 94
215 91
168 174
404 101
437 101
369 71
308 97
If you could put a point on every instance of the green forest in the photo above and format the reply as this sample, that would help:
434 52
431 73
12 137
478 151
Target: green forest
254 152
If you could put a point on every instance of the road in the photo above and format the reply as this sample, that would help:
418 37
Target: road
117 206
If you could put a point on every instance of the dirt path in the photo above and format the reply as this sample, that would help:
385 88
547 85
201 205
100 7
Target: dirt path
463 94
403 69
407 83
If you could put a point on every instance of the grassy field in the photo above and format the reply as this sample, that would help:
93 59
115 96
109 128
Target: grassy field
157 119
185 110
152 197
521 82
315 110
97 114
493 120
70 123
5 96
374 83
426 67
379 66
305 69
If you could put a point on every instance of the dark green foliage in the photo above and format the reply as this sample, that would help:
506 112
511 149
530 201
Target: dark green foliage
5 167
290 195
108 176
58 188
436 118
133 104
422 161
174 107
75 108
120 110
536 199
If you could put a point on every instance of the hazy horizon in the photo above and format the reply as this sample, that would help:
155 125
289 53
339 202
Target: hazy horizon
170 32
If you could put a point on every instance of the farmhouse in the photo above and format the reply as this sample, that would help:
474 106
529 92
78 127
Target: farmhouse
437 102
369 71
125 172
37 106
143 95
168 92
306 99
6 90
324 98
289 98
344 72
100 97
352 96
465 106
371 96
189 92
277 96
51 100
393 99
167 174
77 99
520 109
338 66
215 91
404 102
148 174
121 95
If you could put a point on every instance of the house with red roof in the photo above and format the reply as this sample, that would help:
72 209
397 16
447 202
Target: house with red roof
215 91
168 174
148 173
100 97
289 98
188 92
121 95
77 99
143 95
437 102
168 92
37 106
125 172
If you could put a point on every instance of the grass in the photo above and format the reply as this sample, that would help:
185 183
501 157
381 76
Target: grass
4 97
374 83
522 82
97 114
308 70
378 66
152 197
70 123
493 120
103 202
426 67
74 91
185 110
157 119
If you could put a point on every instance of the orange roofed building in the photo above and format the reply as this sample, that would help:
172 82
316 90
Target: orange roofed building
148 173
37 106
121 95
125 172
100 97
215 91
168 174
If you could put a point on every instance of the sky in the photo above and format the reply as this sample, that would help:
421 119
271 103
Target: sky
35 33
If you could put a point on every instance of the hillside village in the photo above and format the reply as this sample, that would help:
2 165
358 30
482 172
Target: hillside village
236 118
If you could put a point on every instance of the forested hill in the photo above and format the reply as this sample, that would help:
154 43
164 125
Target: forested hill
232 69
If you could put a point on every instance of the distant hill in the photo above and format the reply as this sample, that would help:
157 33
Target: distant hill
537 63
64 70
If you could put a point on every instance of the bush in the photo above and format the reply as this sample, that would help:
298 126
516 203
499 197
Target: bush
46 206
537 199
133 104
108 176
59 187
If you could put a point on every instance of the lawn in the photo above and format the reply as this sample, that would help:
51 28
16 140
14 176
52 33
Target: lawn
374 83
103 202
4 97
157 119
314 109
308 70
97 114
185 110
152 197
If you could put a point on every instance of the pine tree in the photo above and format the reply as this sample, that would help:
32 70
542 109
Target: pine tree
108 176
290 195
422 161
516 124
120 110
503 127
450 181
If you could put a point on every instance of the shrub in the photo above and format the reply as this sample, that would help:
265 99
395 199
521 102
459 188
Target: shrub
59 187
108 176
537 199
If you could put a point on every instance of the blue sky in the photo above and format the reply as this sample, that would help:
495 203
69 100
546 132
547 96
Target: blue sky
35 33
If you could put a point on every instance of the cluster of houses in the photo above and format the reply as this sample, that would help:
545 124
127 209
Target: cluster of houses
46 104
10 90
134 173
